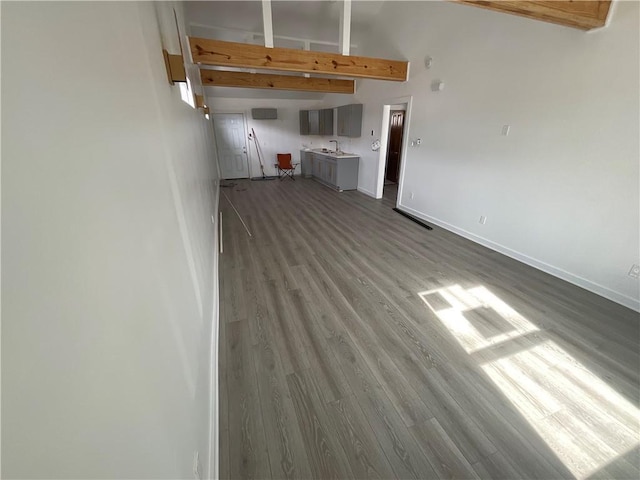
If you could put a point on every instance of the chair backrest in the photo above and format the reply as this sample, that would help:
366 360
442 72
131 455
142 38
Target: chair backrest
284 160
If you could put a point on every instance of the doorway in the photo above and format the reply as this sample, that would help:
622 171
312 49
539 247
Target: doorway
388 107
231 143
394 154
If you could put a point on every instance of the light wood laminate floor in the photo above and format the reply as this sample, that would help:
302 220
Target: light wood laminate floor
357 344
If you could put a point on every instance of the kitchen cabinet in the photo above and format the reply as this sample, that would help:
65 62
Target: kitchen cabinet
339 172
264 113
304 122
317 166
306 163
326 121
350 120
316 122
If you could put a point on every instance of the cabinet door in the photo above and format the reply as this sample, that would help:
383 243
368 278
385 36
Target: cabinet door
314 122
343 120
331 172
350 120
305 163
347 174
317 166
304 122
326 121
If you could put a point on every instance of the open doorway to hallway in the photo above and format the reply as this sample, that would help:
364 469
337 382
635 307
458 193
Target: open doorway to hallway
394 152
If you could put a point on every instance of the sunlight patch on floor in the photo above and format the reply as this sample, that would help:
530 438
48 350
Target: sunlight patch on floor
580 417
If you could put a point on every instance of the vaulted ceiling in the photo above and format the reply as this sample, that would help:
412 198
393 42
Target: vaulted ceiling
314 25
293 23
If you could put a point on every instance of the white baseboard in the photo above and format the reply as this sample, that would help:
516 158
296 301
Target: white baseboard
213 464
366 192
540 265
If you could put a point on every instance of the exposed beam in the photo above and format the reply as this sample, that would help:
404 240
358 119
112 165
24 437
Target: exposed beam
585 15
221 78
175 67
200 104
345 27
267 22
230 54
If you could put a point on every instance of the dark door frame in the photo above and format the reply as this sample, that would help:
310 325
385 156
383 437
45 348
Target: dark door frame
394 143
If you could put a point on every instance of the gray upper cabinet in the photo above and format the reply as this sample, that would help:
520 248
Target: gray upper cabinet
264 113
326 121
350 120
304 122
316 122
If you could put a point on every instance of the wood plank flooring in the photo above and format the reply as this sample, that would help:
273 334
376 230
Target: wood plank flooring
357 344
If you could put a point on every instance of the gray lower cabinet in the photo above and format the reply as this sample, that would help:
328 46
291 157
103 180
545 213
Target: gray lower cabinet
317 163
306 163
338 173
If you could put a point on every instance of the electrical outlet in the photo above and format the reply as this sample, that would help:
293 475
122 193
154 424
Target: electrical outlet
411 195
483 219
213 219
506 129
196 465
635 271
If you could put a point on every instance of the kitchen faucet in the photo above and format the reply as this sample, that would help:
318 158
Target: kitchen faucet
337 147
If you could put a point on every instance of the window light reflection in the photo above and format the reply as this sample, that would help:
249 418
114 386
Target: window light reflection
581 418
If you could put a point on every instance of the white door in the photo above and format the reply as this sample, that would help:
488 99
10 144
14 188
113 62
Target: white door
232 145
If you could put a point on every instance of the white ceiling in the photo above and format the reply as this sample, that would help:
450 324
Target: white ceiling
315 20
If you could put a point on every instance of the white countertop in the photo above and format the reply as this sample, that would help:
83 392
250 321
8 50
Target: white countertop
335 155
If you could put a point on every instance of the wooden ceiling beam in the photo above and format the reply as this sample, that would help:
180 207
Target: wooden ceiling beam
221 78
175 67
585 15
231 54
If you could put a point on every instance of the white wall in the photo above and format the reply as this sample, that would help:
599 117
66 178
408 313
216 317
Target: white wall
561 191
108 250
275 136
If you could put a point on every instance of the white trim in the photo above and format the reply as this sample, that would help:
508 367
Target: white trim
213 467
267 23
532 262
366 192
382 153
384 143
260 34
345 27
